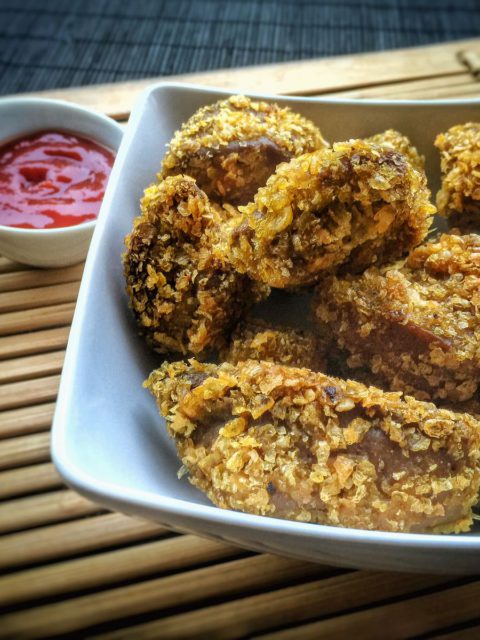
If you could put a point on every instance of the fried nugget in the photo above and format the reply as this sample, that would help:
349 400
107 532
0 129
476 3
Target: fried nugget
233 146
255 339
350 206
459 196
290 443
416 323
392 139
185 300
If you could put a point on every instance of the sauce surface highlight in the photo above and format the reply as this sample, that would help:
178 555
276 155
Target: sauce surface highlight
52 179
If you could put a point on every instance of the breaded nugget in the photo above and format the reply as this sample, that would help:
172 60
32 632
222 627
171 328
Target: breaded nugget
460 164
395 140
185 300
416 323
351 206
255 339
459 197
233 146
290 443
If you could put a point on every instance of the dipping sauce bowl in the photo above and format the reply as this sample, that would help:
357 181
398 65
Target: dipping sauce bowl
22 117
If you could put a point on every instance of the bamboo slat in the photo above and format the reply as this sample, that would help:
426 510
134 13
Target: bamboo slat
445 92
17 452
40 318
467 91
281 607
25 480
38 296
26 344
43 364
26 392
26 420
29 277
71 538
424 88
227 578
56 506
7 266
409 618
171 554
471 633
471 59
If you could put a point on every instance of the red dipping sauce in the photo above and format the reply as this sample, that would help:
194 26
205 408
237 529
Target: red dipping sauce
52 179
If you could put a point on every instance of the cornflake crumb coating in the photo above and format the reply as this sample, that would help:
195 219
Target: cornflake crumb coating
392 139
350 206
185 300
255 339
290 443
460 164
233 146
416 323
471 406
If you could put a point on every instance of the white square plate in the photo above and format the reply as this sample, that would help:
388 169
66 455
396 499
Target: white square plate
109 442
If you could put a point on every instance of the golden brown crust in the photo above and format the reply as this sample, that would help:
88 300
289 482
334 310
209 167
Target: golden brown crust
185 300
349 206
392 139
233 146
291 443
460 164
416 323
471 406
255 339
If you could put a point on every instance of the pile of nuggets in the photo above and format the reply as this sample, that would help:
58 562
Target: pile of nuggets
370 419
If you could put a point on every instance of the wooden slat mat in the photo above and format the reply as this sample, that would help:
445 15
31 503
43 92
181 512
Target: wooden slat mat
69 568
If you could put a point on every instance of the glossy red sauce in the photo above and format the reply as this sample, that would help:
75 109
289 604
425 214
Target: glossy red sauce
52 179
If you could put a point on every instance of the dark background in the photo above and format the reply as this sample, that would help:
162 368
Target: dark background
59 43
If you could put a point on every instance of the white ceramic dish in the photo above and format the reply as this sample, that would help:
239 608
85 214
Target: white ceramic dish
108 439
22 116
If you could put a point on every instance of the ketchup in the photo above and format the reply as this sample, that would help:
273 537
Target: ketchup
52 179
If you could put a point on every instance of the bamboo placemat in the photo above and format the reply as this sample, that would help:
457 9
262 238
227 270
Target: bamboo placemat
54 43
72 569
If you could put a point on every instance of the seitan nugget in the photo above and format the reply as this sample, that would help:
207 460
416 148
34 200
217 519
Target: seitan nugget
416 323
185 300
460 164
290 443
233 146
351 206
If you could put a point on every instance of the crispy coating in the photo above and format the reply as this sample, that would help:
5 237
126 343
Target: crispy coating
460 164
233 146
290 443
350 206
392 139
255 339
471 406
185 300
416 323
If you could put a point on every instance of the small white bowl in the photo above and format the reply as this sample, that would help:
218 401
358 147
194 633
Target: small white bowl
23 116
